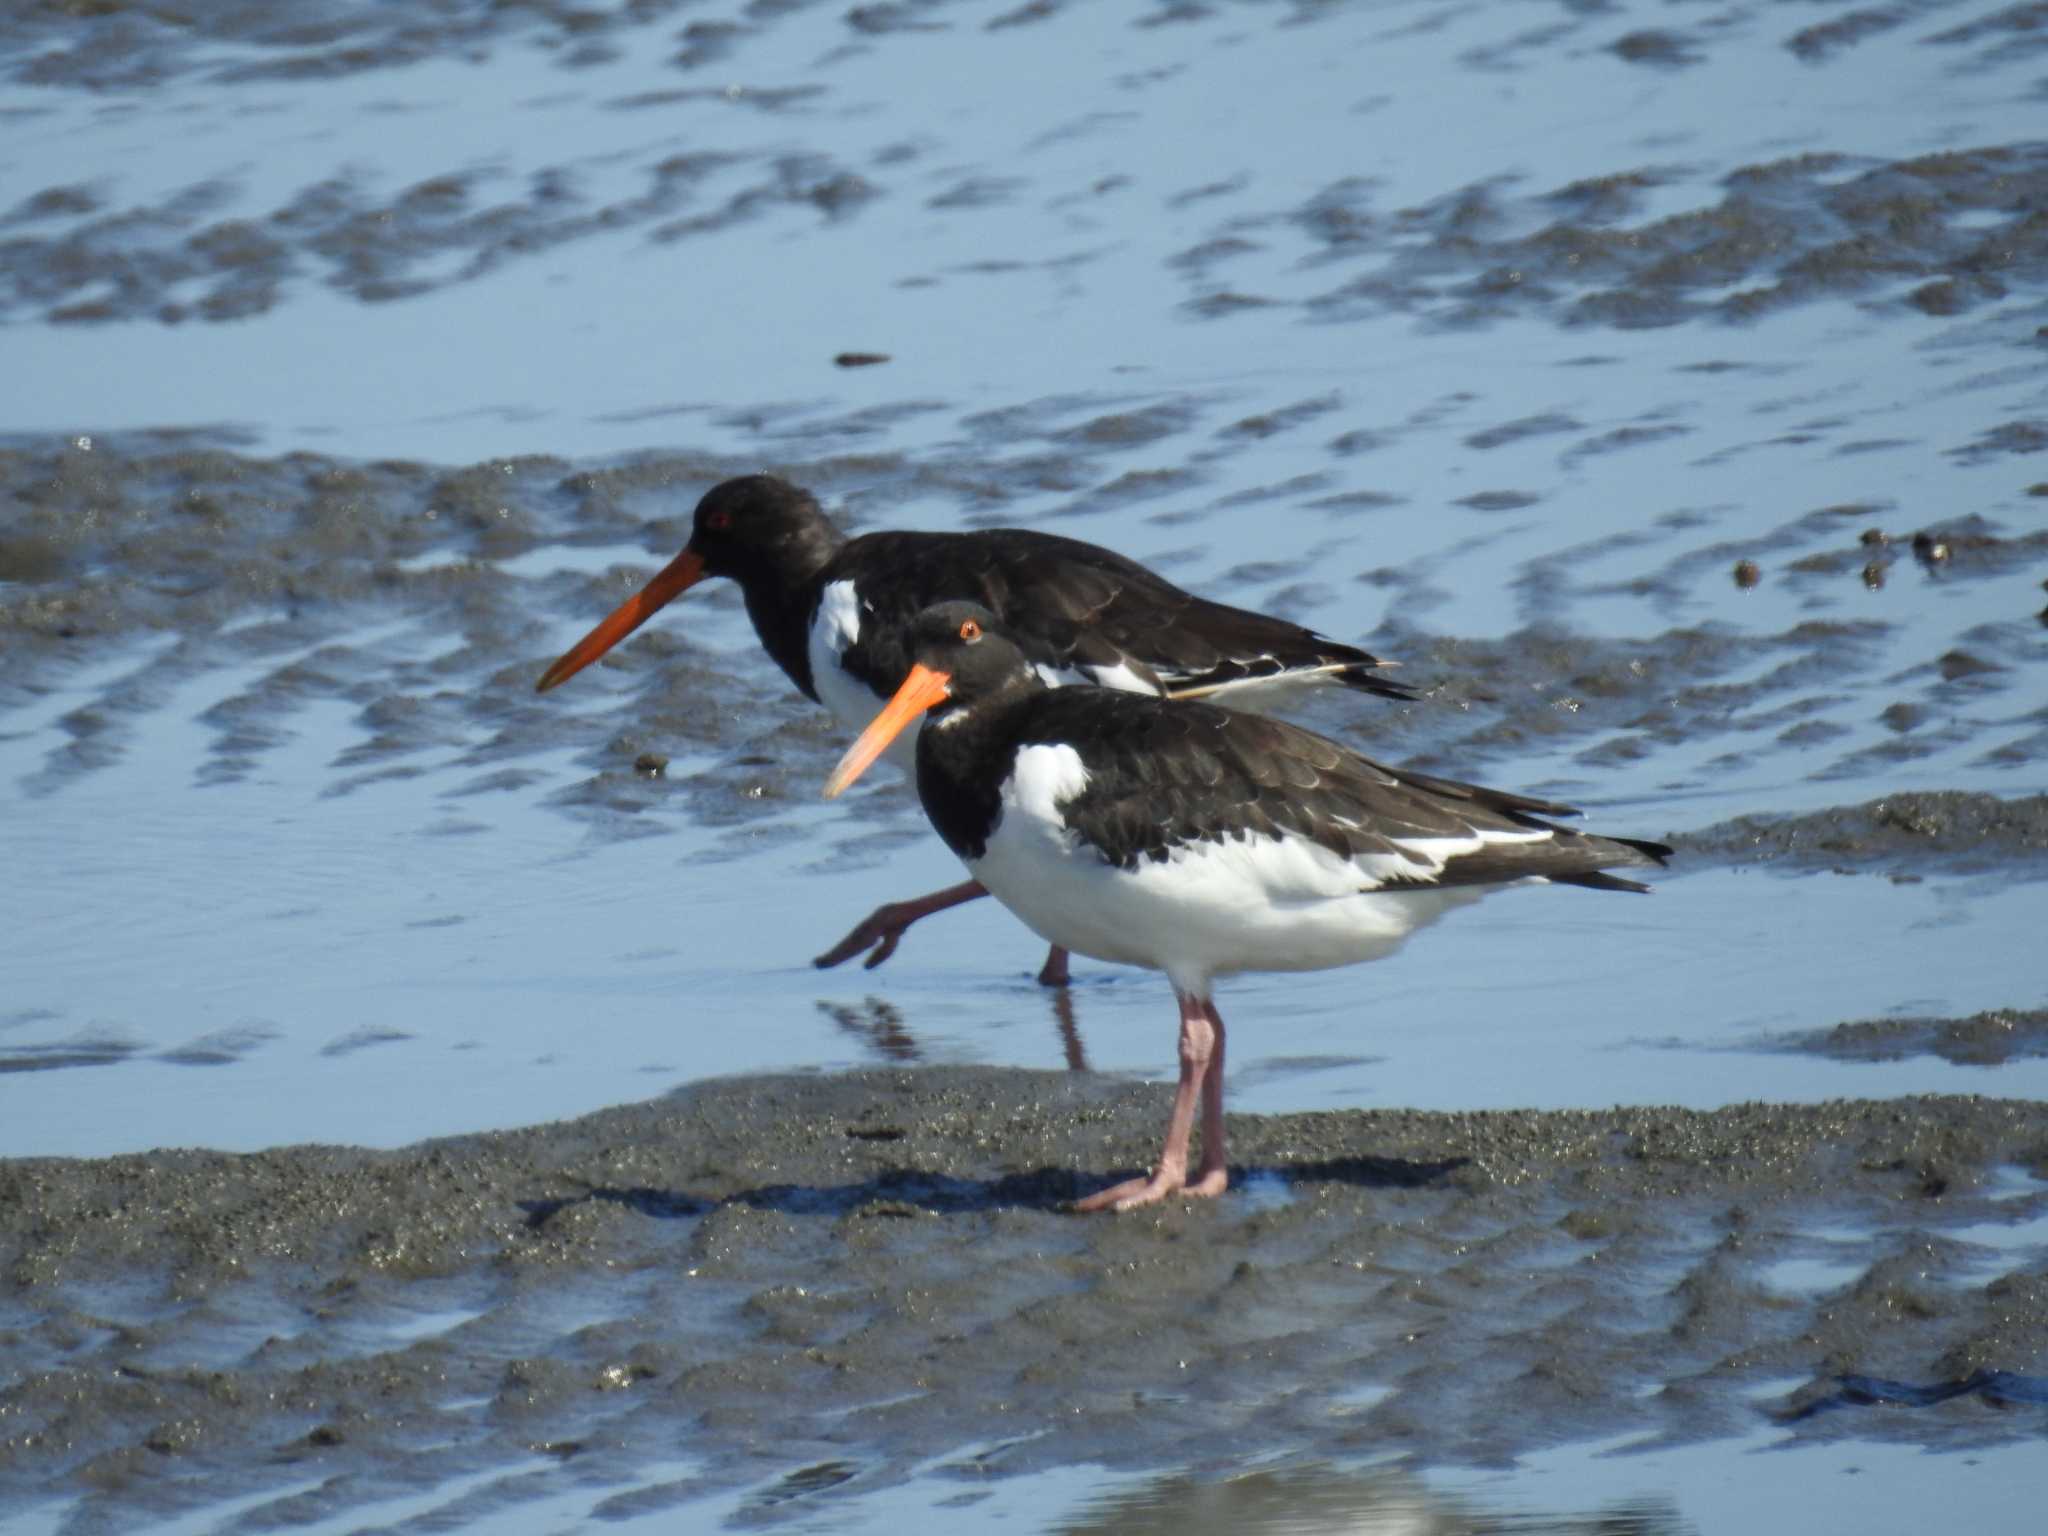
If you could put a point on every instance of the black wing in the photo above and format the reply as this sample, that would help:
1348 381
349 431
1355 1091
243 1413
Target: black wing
1164 774
1076 607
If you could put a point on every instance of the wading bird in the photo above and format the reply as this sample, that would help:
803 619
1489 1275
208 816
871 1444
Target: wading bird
1196 840
832 612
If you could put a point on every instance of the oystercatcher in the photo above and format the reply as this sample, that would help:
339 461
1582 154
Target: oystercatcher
832 611
1196 840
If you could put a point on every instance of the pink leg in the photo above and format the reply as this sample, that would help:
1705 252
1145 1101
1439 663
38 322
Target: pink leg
882 930
1201 1075
1215 1168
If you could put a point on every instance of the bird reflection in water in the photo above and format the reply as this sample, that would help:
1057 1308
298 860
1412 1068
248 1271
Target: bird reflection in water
1070 1031
877 1025
880 1027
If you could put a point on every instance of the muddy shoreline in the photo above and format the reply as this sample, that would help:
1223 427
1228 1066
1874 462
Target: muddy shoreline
874 1269
191 561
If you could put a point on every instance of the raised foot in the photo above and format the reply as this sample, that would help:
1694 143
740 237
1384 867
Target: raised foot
881 931
1132 1193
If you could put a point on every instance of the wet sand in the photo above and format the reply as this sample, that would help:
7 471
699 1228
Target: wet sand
282 574
867 1271
1983 1039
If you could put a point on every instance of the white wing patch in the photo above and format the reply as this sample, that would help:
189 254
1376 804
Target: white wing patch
1436 852
1120 677
1044 777
1270 691
835 627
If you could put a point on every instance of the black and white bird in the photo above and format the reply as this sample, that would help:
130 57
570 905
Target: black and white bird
833 612
1197 841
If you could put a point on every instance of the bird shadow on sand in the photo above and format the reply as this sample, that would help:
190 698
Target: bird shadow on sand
663 1204
1363 1172
906 1192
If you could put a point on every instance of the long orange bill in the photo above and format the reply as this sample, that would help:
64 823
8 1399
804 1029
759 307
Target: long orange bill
920 691
677 577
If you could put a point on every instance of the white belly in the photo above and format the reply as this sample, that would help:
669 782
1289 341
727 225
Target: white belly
1209 909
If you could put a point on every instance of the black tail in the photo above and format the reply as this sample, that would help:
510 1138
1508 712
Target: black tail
1365 680
1661 852
1600 880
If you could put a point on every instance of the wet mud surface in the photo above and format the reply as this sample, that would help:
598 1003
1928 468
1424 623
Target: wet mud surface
1983 1039
239 562
823 1283
1907 836
1943 234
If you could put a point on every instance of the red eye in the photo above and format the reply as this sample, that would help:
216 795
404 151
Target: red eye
970 630
718 522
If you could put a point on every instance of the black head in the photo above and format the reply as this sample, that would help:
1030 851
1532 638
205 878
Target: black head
760 526
966 642
761 531
959 658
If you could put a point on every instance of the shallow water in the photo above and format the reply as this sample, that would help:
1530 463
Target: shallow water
312 950
353 369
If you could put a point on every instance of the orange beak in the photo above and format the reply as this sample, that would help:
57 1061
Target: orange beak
677 577
920 691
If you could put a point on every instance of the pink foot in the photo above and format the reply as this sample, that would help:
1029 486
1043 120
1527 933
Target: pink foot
1054 972
882 929
1132 1193
1201 1074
